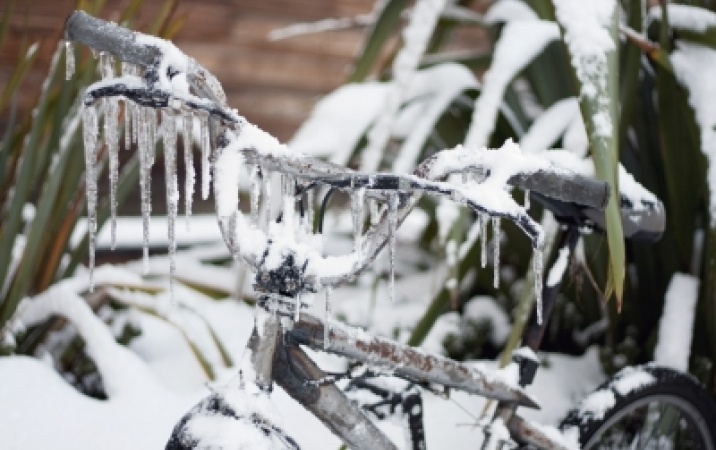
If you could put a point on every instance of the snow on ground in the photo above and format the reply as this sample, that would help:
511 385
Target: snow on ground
35 397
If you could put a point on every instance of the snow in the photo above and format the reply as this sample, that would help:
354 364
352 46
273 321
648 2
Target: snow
586 26
693 64
550 126
121 370
144 414
438 86
567 439
159 369
129 232
629 188
676 324
560 266
339 120
632 379
416 36
596 405
69 60
226 181
520 42
509 10
526 353
330 24
686 17
575 137
172 60
498 435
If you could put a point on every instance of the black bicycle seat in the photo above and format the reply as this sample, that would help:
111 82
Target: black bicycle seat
642 220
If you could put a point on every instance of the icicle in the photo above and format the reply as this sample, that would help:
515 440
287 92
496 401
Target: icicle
327 319
255 179
90 132
393 225
189 173
496 235
538 268
527 199
145 165
297 312
205 168
308 213
267 198
288 205
169 140
69 60
106 65
288 185
374 211
136 122
151 134
127 70
483 235
111 132
358 213
127 125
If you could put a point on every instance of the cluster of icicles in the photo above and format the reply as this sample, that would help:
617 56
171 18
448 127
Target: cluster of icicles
144 126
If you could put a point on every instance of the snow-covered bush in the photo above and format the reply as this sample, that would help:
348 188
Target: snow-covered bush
618 81
42 198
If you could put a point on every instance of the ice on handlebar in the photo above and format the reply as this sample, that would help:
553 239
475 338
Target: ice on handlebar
156 76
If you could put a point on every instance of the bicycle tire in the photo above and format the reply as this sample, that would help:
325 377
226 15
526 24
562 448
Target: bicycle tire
635 407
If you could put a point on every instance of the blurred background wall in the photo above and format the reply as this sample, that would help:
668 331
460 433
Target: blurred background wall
273 83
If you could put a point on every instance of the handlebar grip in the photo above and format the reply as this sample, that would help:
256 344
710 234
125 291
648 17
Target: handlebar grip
108 37
567 187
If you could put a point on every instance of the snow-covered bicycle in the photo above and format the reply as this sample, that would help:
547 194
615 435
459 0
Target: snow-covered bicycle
646 407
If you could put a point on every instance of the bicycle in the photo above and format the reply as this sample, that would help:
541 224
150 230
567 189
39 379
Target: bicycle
158 76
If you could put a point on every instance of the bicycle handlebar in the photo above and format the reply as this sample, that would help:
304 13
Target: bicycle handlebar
229 132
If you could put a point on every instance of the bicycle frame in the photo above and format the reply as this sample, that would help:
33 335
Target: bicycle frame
273 352
275 355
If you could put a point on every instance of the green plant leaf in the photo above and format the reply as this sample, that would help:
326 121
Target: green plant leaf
380 32
605 151
198 355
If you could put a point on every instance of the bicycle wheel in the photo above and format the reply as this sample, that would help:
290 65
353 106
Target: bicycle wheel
646 407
